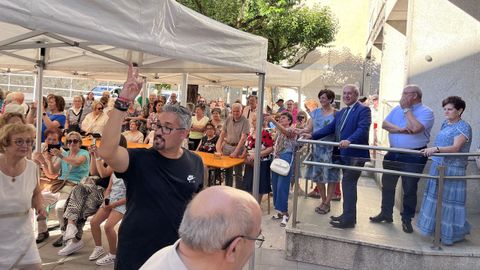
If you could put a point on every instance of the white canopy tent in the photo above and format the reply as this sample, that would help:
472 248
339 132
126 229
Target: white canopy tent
161 36
275 76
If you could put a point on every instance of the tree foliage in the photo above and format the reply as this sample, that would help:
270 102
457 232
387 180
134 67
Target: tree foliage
292 29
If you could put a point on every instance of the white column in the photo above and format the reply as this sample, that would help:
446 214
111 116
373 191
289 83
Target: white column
184 88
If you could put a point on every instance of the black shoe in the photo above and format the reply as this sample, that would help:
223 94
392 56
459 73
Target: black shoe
407 226
342 224
58 242
42 237
336 218
380 218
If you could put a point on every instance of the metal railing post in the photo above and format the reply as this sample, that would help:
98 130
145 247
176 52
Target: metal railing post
296 187
438 213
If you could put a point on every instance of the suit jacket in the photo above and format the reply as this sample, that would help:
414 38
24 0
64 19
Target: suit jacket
356 129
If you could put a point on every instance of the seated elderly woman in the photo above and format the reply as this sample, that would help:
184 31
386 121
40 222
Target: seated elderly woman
209 141
95 121
84 201
11 118
52 140
73 166
75 115
133 135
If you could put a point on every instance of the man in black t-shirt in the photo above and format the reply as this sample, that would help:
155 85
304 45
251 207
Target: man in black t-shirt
160 181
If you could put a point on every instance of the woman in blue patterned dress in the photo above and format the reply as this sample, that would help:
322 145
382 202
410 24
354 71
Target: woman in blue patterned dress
323 175
454 136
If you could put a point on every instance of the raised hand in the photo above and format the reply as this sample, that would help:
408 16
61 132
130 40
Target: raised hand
133 84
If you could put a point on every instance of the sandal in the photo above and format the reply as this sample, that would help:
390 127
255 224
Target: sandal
322 209
278 216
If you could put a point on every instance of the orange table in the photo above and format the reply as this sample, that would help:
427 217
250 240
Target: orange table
223 162
87 142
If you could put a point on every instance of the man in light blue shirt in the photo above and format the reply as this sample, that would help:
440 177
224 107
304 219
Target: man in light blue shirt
409 125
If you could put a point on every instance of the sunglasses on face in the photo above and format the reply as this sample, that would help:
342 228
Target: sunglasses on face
20 142
74 141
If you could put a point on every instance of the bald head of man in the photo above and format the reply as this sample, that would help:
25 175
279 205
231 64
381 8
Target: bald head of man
219 230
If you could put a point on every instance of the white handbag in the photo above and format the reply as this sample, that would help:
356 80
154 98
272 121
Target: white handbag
280 166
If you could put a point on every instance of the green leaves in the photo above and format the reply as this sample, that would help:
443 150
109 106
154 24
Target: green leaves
292 30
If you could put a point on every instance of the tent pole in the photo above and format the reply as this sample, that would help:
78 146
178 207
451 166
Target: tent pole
183 94
144 92
258 146
299 99
38 97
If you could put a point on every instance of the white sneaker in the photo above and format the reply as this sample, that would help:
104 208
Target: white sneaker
284 221
106 260
70 232
71 247
96 253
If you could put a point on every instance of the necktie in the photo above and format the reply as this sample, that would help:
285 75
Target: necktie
341 124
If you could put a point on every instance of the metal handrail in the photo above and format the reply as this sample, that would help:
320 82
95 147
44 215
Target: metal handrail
390 149
440 178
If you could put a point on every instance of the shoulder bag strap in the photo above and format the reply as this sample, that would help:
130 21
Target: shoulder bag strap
80 115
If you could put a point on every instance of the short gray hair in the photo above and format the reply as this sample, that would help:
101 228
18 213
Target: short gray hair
210 233
354 87
415 88
235 105
184 115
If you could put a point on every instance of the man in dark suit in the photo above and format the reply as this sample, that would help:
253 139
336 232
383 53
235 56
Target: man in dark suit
350 126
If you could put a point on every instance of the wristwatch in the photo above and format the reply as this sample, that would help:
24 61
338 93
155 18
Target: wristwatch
405 110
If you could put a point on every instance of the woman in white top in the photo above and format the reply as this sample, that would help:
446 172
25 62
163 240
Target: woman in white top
19 191
133 135
75 115
96 120
199 121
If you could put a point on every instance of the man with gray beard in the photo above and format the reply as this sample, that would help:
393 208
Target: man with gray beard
160 181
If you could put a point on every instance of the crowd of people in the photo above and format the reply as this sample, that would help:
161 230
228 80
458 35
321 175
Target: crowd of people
149 188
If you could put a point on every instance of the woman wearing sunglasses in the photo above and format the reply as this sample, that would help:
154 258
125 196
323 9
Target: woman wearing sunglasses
95 121
19 191
73 165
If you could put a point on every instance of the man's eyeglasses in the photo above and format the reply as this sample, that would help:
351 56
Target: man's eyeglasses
20 142
165 130
74 141
258 241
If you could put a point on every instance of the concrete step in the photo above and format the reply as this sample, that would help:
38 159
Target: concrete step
372 246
